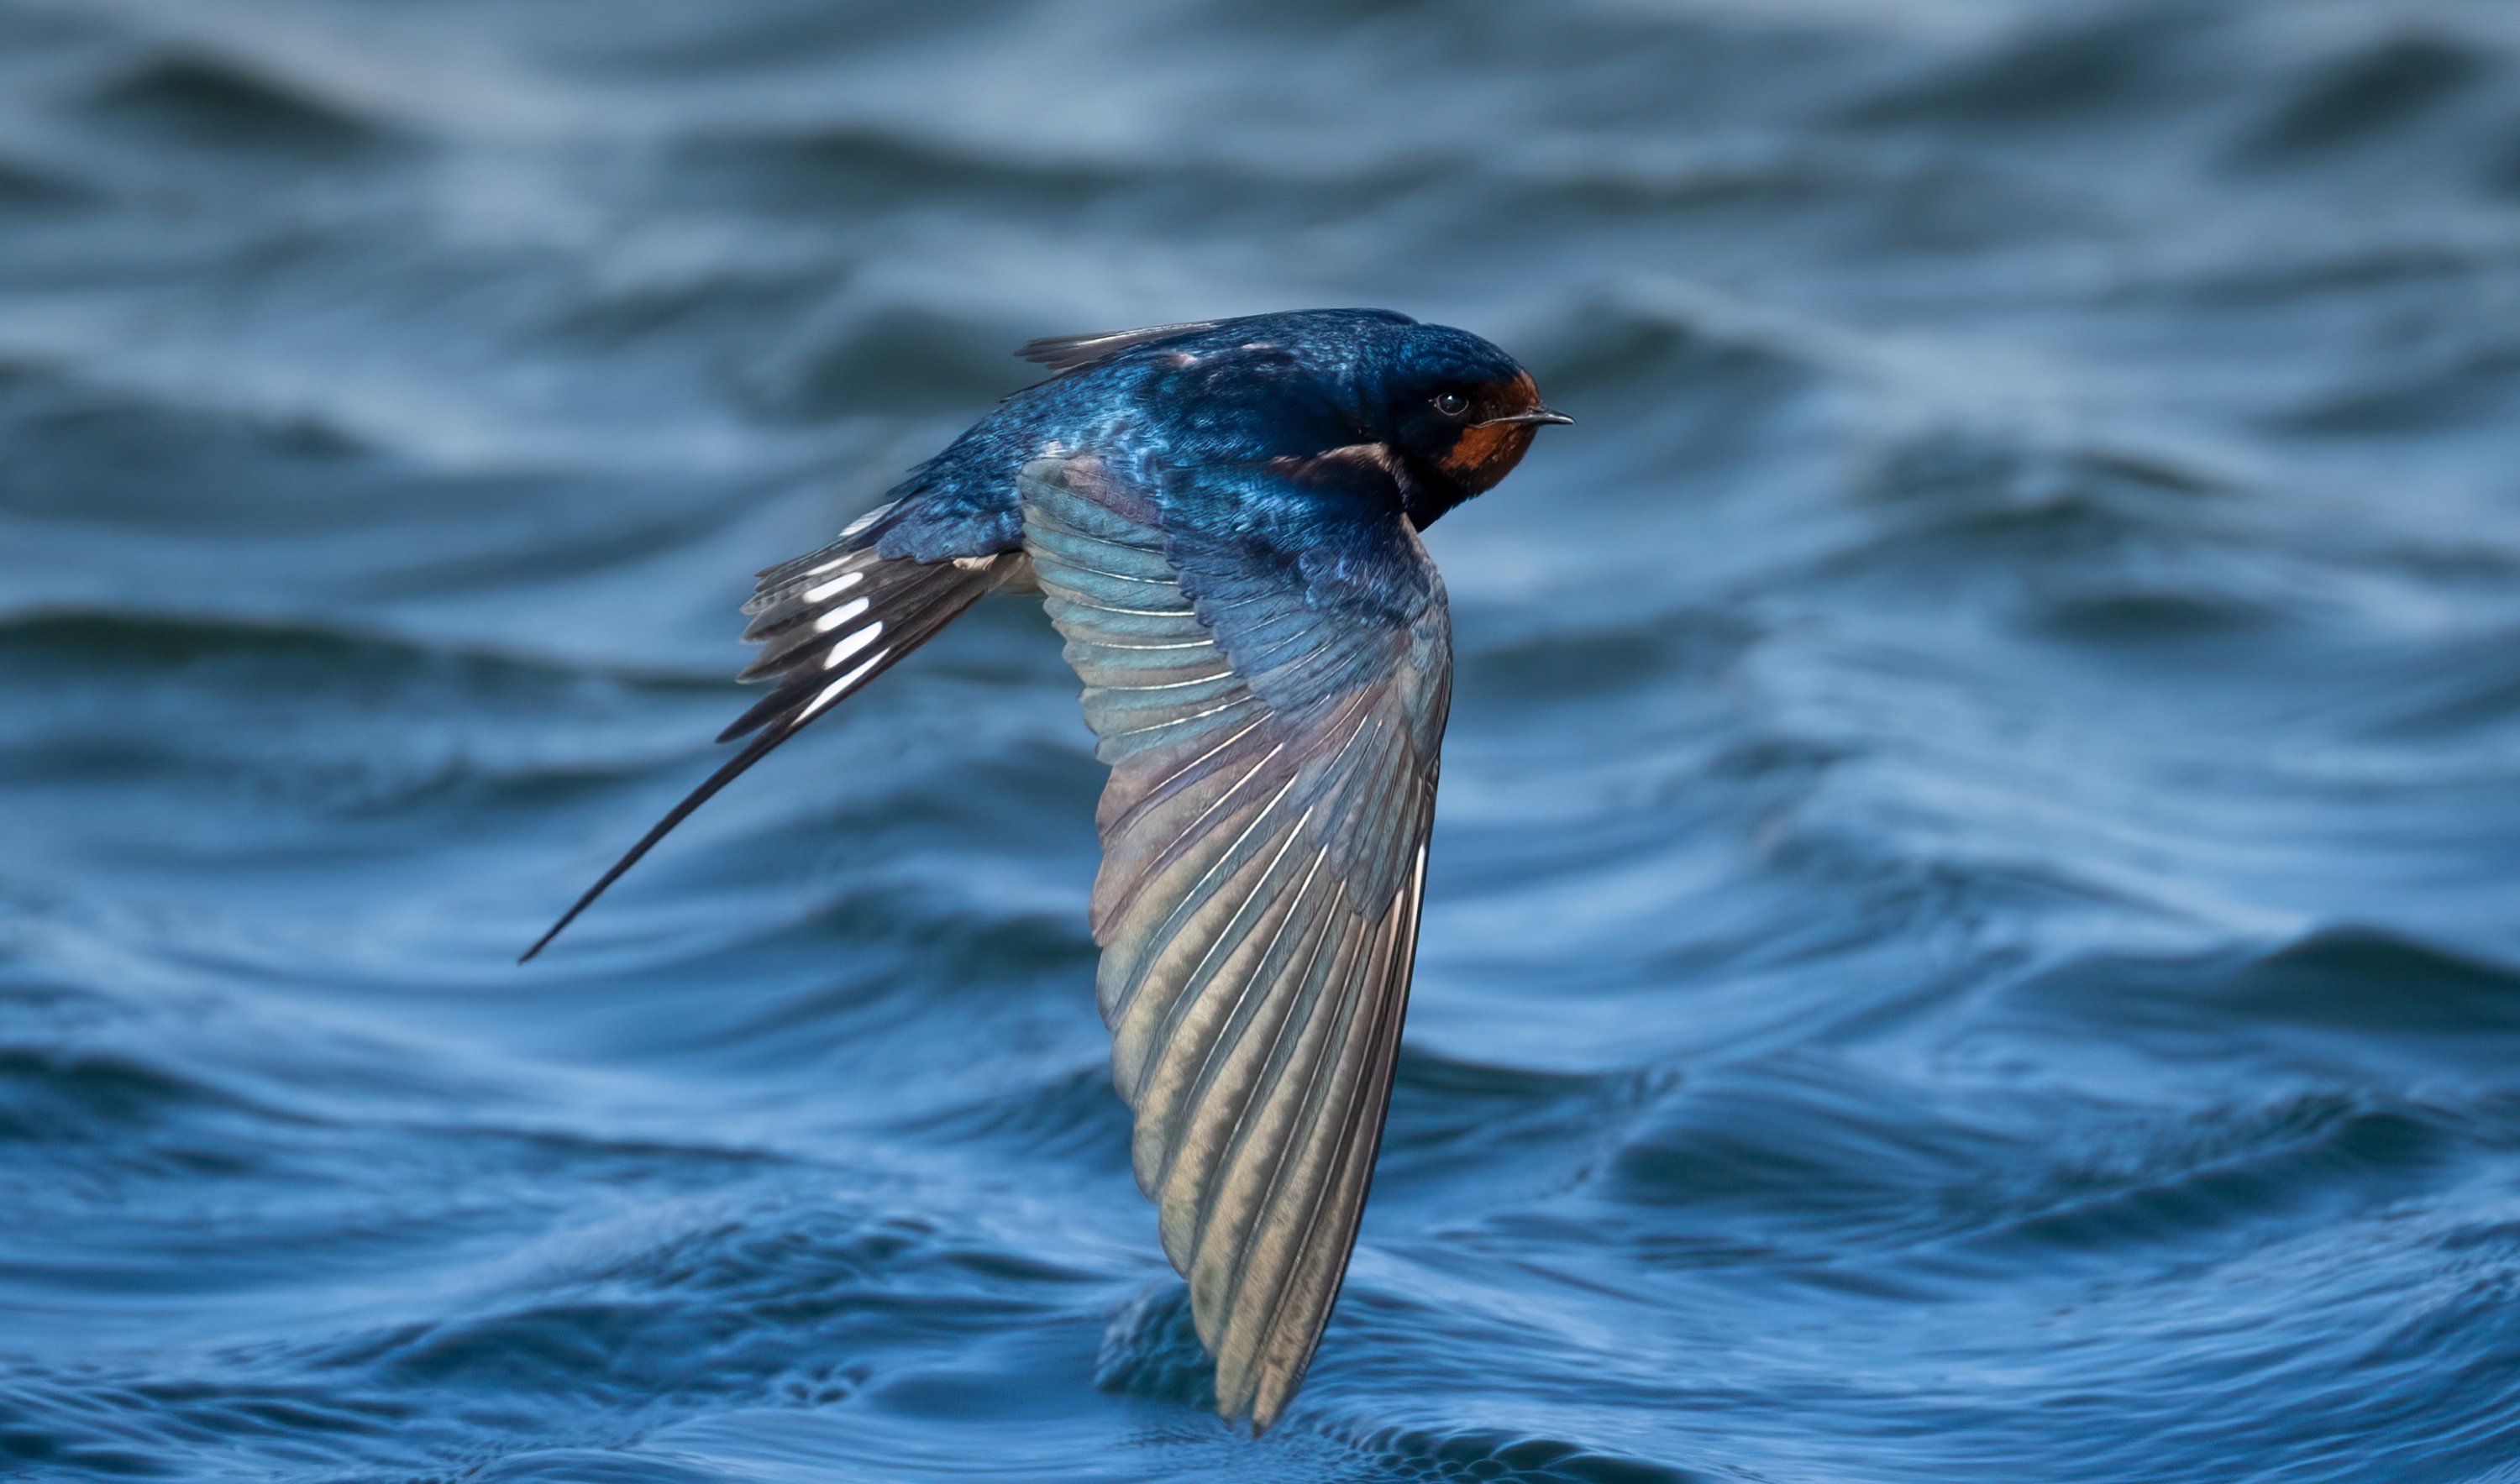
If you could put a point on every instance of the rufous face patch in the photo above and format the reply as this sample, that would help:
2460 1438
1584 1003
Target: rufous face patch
1486 452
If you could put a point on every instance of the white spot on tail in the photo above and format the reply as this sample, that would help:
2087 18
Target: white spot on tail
840 584
840 616
840 687
865 521
854 643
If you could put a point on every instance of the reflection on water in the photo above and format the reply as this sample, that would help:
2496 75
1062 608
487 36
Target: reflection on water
1972 933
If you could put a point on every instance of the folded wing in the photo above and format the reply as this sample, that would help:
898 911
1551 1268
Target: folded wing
1271 721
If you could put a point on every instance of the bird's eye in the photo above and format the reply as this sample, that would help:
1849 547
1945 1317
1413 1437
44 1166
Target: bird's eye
1452 404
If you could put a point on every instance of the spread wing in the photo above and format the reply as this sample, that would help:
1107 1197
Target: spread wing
1271 709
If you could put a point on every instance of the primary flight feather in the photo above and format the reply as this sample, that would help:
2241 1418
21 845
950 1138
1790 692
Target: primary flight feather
1222 519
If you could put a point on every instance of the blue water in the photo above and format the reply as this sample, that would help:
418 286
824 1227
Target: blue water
1972 930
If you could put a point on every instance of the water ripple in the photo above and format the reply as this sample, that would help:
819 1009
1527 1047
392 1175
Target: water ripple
1970 931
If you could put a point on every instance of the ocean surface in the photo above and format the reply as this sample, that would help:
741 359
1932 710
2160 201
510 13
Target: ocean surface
1975 924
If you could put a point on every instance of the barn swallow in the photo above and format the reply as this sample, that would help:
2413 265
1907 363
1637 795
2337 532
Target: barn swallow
1222 519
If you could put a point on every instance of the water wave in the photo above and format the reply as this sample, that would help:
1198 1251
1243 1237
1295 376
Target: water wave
1970 930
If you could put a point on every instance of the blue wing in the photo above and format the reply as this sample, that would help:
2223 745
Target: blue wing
1271 699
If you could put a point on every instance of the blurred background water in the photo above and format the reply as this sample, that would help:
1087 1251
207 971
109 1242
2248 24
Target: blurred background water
1972 929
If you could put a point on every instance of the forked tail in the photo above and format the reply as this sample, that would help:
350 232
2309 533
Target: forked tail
827 623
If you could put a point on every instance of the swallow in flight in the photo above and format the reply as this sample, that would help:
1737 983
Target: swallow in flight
1222 519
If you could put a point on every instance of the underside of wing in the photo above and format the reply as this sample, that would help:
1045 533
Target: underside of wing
1274 764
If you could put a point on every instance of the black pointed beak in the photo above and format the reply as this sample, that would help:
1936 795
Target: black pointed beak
1534 414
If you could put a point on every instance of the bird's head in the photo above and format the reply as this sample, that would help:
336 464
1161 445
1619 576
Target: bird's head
1460 414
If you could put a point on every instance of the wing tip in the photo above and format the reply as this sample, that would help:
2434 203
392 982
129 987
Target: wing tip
1064 353
1256 1402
